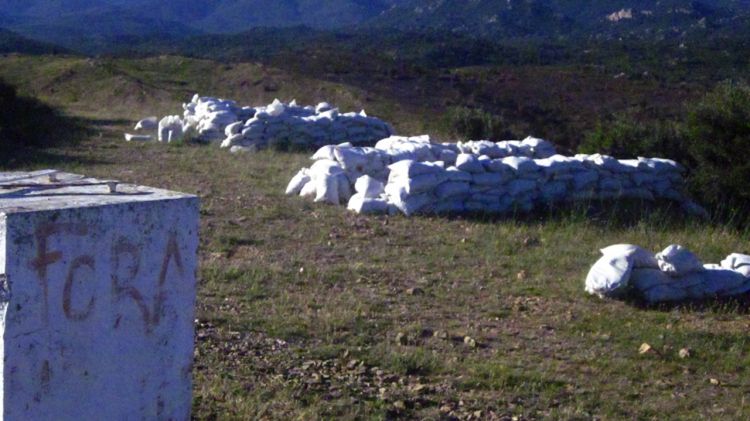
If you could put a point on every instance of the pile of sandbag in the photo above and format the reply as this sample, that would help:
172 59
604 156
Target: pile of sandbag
419 176
250 128
675 274
358 176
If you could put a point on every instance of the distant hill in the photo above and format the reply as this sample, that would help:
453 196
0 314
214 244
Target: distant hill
11 42
96 29
94 25
566 18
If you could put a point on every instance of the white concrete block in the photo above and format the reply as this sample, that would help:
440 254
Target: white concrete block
97 300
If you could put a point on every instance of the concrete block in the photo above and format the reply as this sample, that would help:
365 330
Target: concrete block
97 299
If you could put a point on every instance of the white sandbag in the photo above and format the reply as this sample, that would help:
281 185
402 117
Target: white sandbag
554 191
469 163
298 182
643 279
660 165
585 179
322 107
738 262
521 186
327 189
276 108
640 257
148 123
232 140
369 187
241 149
454 174
490 179
411 168
724 282
654 286
665 293
233 129
448 156
367 205
419 184
557 164
324 167
451 189
640 178
309 190
611 184
170 128
408 204
609 276
520 164
353 159
326 152
138 137
676 260
345 188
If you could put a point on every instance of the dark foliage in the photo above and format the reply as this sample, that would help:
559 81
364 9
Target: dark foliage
718 134
475 124
624 136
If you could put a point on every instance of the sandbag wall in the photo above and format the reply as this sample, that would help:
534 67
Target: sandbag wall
250 128
675 274
412 175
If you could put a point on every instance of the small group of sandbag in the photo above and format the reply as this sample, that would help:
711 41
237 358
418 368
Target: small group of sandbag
673 275
145 125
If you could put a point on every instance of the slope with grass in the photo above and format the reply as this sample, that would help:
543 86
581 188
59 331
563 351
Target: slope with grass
135 88
308 311
415 100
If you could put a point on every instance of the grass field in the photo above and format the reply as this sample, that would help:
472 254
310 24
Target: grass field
308 311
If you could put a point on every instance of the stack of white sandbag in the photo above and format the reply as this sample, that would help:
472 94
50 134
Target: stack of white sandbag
250 128
458 182
305 127
381 165
530 148
675 274
482 184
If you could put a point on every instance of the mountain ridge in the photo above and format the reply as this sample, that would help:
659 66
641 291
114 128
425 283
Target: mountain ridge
91 25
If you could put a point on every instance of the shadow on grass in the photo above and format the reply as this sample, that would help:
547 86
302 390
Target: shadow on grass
92 122
738 304
623 213
33 133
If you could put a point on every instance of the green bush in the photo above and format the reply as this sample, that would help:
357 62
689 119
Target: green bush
476 124
718 134
625 137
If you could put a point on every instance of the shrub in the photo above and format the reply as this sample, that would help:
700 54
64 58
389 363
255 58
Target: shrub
718 136
476 124
625 137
